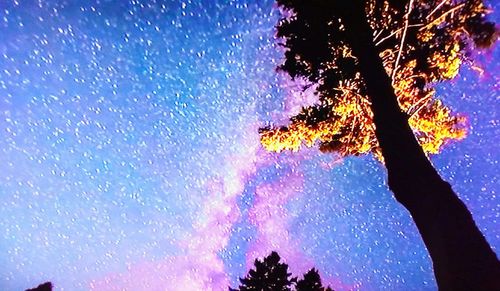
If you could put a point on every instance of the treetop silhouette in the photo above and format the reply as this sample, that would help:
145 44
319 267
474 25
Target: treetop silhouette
311 282
270 274
47 286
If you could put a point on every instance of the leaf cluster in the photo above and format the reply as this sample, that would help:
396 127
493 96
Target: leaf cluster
421 43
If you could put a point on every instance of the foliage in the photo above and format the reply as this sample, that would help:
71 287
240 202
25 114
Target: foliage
271 275
311 282
47 286
421 43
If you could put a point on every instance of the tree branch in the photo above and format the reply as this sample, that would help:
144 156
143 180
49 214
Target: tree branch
407 19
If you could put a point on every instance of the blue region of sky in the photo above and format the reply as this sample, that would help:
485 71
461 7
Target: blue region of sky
129 156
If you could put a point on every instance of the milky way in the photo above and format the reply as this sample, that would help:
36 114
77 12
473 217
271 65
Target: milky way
130 155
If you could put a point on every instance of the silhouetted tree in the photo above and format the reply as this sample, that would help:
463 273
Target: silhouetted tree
420 43
47 286
271 275
268 275
311 282
374 64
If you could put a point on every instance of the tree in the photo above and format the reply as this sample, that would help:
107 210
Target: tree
374 64
47 286
311 282
420 44
271 275
268 275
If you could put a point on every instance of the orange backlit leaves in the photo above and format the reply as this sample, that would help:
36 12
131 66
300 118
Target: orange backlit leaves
345 123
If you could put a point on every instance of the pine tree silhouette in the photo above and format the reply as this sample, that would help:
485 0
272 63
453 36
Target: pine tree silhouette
47 286
311 282
271 275
268 275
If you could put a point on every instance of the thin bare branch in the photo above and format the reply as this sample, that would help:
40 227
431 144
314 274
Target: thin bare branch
438 19
396 64
421 104
436 8
396 32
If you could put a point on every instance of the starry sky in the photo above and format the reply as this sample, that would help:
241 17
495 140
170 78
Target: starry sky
130 155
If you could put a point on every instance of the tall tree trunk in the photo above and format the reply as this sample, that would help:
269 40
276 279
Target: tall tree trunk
461 256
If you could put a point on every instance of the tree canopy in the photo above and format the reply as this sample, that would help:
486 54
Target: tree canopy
47 286
270 274
421 43
311 282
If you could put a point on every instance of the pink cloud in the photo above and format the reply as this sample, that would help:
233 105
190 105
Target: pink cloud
200 268
270 216
272 221
183 273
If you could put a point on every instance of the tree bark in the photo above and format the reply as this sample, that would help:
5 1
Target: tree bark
461 256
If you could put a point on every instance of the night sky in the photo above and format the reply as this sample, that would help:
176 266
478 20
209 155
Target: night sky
130 155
